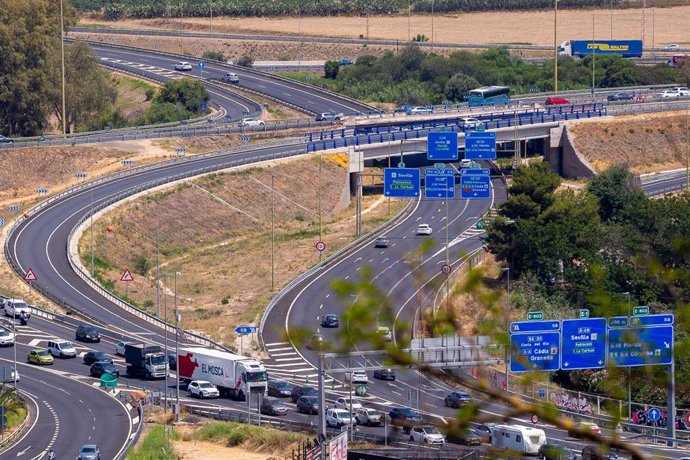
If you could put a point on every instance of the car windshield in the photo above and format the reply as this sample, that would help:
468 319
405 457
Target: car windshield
100 356
408 412
431 430
313 400
310 391
43 353
4 333
88 450
205 385
257 376
20 305
281 385
158 360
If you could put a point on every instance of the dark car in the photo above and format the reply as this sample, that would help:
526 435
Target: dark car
317 342
273 406
556 452
6 140
468 438
308 405
381 242
279 388
620 97
346 62
556 101
597 453
456 399
405 417
87 333
403 109
93 356
101 367
299 391
330 320
384 374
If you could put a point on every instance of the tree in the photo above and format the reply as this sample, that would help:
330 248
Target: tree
29 63
89 91
616 188
245 61
458 86
186 93
331 69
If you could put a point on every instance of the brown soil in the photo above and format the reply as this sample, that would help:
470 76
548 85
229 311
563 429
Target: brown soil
656 26
647 143
216 231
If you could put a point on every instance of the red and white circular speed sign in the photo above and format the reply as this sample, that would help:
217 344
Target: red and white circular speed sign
534 419
320 246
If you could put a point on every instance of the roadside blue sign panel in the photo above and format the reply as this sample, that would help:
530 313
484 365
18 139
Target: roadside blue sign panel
401 182
535 326
439 183
200 65
475 184
480 145
651 320
640 346
584 343
618 321
537 351
245 329
442 146
653 414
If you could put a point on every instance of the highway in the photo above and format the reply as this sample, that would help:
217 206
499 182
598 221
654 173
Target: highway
39 242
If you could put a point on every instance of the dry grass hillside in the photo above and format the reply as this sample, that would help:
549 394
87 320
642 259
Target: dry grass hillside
647 143
216 231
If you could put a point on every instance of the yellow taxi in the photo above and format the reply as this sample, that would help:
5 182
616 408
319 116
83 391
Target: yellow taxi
40 356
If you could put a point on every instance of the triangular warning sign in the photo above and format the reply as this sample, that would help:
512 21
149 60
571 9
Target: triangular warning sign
127 276
30 275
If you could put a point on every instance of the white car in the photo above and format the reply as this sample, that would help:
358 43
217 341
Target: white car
369 417
470 123
419 111
344 403
681 90
668 94
183 65
359 376
230 77
427 434
251 122
465 163
14 307
672 46
338 417
120 347
423 229
6 338
385 333
202 389
9 374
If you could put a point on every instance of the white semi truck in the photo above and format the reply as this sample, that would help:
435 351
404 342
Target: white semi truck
234 375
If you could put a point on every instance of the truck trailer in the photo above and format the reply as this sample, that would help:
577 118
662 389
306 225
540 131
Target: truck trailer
234 375
582 48
145 361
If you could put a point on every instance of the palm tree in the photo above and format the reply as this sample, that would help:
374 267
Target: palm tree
10 400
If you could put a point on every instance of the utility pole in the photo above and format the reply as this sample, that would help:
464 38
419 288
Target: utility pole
62 52
177 353
273 233
158 274
322 407
507 354
555 47
165 344
93 268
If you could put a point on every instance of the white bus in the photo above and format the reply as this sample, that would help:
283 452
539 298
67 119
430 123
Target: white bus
523 439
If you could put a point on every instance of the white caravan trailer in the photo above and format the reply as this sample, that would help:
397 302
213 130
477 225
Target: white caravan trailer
523 439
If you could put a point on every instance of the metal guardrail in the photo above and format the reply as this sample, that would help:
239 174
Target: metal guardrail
133 438
6 441
346 250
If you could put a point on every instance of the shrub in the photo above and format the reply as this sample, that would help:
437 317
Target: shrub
245 61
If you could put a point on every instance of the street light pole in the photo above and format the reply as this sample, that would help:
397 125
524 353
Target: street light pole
273 233
14 331
165 344
629 368
62 52
507 354
177 352
91 225
555 47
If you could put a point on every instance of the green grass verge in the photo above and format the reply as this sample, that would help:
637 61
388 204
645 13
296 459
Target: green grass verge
153 446
233 434
14 420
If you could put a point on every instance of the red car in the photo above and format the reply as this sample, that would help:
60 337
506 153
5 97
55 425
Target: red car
556 101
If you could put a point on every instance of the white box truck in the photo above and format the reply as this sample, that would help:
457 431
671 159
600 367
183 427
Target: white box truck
518 438
234 375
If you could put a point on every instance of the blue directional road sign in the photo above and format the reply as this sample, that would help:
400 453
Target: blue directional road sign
537 351
480 145
245 329
401 182
439 183
535 326
651 320
641 346
200 64
475 184
442 146
653 414
618 321
583 343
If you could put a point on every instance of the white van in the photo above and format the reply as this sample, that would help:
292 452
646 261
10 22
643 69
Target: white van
524 439
62 348
15 307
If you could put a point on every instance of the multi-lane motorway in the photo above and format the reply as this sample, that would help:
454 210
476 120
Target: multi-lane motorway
39 242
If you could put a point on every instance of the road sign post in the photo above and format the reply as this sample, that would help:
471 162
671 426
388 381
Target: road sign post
480 145
583 343
475 184
127 278
401 182
442 146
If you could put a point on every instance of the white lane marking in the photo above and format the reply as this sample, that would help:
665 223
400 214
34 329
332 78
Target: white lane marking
277 343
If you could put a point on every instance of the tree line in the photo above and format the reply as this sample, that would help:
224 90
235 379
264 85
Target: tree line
413 76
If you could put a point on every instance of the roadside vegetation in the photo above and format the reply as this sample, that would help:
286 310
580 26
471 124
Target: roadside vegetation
252 438
413 76
116 9
154 445
15 407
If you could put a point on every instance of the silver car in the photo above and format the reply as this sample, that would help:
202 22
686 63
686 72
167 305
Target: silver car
369 417
89 452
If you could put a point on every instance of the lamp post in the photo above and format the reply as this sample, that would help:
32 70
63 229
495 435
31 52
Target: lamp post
14 359
177 352
555 47
165 340
273 233
507 354
62 52
629 368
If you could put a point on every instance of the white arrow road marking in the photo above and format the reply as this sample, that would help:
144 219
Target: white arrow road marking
20 453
